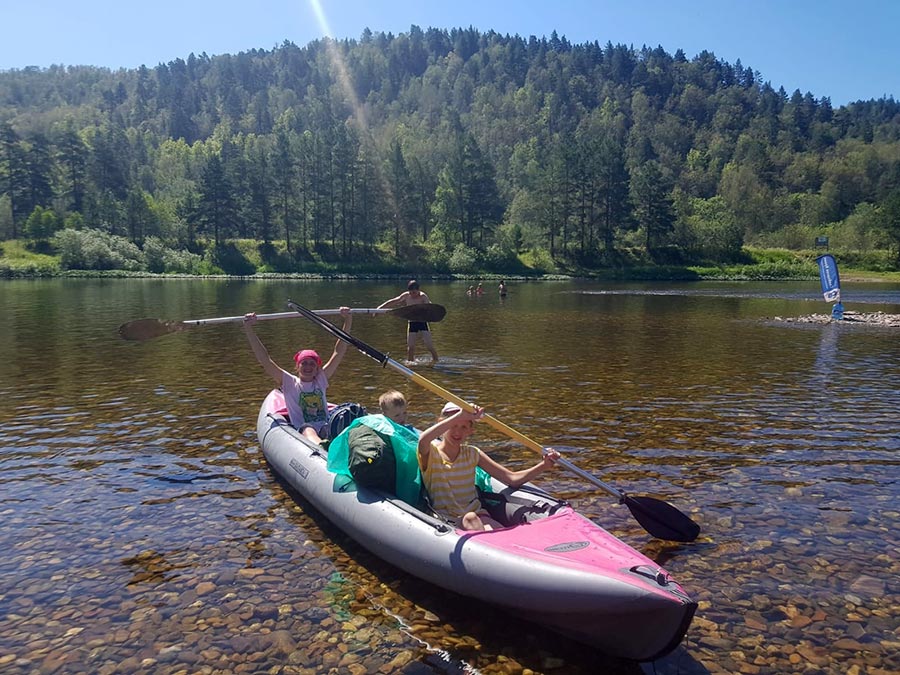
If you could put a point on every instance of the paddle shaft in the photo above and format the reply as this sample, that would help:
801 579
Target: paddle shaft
147 329
659 518
529 443
278 315
385 360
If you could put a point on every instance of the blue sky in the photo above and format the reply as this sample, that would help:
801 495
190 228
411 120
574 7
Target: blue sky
847 50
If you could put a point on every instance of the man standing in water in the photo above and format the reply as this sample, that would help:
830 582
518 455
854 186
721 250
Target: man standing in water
413 296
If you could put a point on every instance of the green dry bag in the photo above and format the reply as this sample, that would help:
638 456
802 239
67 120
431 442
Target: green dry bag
371 458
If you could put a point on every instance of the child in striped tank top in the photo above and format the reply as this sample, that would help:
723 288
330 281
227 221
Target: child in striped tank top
448 468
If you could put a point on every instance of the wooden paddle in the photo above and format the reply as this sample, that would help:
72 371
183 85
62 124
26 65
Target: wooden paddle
657 517
147 329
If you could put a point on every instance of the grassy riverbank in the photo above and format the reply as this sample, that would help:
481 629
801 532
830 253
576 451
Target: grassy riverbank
18 260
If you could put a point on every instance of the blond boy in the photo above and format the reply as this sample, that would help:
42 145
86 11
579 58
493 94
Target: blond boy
393 406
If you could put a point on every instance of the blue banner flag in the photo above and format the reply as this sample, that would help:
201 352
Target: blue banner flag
828 275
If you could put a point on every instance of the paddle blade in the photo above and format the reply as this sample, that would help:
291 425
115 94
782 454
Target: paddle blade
425 312
661 519
147 329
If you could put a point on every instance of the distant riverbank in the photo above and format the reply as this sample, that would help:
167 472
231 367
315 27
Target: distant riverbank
18 261
746 273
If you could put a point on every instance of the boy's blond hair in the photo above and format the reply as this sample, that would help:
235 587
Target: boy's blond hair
391 400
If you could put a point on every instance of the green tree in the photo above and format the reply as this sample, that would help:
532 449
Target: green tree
612 187
365 190
15 176
485 206
449 208
746 197
890 221
259 203
307 160
344 153
715 231
39 167
110 161
466 198
652 204
424 193
550 196
42 224
140 216
399 211
217 210
284 177
72 155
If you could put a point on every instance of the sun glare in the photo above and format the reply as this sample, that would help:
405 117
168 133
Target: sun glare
337 61
344 81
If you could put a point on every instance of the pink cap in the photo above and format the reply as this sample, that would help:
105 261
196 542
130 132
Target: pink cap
307 354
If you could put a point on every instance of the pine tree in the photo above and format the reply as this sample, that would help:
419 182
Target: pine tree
216 208
652 204
72 155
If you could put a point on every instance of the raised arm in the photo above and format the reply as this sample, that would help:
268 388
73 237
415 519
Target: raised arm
259 351
438 429
394 302
517 478
340 347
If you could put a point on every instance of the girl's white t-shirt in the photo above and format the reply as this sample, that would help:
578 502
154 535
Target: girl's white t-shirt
306 402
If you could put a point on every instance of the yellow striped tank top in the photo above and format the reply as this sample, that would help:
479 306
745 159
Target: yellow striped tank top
451 485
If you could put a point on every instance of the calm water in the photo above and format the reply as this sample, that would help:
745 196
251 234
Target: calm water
142 531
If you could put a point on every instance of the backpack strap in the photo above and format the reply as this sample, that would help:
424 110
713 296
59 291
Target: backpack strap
341 415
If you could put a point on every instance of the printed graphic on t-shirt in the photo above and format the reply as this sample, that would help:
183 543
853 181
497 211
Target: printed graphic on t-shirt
311 405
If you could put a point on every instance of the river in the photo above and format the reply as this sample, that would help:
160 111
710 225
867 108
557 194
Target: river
142 531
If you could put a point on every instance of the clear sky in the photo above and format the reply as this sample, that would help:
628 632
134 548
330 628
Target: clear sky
845 49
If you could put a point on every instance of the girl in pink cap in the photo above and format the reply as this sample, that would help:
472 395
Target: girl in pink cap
304 393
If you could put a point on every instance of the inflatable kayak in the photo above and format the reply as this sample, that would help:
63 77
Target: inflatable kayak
556 568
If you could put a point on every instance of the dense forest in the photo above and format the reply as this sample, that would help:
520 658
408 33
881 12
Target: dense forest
444 149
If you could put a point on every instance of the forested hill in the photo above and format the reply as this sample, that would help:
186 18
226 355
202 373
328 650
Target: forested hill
455 145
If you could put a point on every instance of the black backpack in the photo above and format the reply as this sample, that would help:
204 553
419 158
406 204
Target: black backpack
340 417
371 458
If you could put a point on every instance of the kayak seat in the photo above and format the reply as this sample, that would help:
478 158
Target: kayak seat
511 509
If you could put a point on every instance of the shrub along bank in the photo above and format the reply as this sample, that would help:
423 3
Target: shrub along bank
86 253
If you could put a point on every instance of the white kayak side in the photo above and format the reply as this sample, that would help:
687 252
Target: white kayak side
560 570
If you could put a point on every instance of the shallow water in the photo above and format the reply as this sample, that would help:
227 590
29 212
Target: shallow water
143 532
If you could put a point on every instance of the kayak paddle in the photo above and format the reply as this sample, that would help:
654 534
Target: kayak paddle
657 517
147 329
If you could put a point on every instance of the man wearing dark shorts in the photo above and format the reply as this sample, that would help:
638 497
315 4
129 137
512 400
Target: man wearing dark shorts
416 329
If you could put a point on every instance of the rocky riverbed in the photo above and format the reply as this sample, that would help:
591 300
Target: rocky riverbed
850 319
